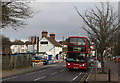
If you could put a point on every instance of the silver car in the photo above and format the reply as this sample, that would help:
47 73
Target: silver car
91 60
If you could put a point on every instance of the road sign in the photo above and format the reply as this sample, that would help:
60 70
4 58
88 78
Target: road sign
99 65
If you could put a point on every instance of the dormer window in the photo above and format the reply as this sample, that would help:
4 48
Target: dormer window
44 42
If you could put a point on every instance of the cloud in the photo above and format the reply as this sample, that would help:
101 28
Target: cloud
60 18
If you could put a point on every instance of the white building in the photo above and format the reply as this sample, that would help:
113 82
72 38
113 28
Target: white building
31 48
49 44
18 48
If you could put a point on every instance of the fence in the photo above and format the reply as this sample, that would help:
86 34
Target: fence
17 61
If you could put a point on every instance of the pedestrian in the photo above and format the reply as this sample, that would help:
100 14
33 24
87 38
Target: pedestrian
115 59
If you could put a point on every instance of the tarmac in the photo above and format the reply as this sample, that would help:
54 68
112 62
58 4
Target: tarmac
6 74
100 78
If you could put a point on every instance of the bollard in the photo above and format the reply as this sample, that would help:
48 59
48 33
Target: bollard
109 75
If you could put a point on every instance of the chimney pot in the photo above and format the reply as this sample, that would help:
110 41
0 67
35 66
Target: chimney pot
44 34
31 40
52 35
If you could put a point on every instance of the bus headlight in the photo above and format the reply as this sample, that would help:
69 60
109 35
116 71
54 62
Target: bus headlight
68 63
83 64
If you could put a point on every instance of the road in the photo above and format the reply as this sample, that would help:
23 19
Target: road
57 73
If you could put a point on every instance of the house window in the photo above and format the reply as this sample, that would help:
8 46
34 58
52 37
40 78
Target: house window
22 50
44 42
12 50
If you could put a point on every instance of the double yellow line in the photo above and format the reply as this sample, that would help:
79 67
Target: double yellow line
83 78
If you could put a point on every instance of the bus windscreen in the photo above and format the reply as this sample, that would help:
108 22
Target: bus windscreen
77 41
76 57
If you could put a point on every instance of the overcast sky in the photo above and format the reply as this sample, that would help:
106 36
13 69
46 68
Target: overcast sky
60 18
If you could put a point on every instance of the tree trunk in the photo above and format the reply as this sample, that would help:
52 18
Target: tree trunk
102 62
102 45
102 58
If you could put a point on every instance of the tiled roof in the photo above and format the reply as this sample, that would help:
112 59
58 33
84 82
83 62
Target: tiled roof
54 42
28 43
17 43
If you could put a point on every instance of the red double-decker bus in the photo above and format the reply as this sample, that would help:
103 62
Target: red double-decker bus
78 50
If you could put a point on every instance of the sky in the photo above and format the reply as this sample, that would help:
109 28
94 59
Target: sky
58 17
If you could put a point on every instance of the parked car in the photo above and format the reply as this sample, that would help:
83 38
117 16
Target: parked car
44 61
37 59
117 58
91 60
98 58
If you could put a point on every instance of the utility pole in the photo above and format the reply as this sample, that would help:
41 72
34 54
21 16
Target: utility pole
63 48
32 42
96 62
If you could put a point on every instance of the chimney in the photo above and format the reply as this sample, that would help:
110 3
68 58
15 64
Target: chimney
37 44
35 40
63 40
44 34
52 35
31 40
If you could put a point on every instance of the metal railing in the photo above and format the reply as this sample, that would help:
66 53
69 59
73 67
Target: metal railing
14 62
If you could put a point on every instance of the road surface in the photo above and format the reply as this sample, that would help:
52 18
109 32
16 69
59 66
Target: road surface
58 73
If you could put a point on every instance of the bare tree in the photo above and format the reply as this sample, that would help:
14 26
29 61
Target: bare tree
5 44
15 14
101 25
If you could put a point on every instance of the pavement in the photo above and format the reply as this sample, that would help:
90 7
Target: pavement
103 78
6 74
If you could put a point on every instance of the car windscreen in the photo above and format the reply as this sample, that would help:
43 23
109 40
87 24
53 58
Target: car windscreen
91 57
117 56
37 58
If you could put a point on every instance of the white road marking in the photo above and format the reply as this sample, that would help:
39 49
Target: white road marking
62 70
80 73
39 78
75 77
53 73
9 78
89 74
42 70
30 73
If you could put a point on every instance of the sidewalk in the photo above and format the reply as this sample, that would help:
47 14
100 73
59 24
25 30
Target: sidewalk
6 74
102 78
